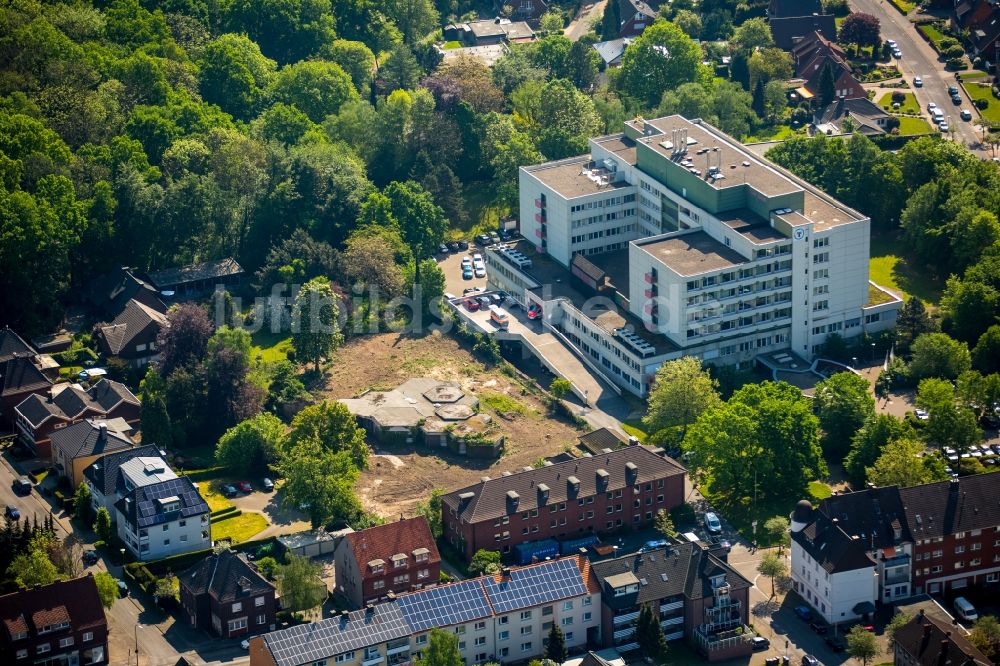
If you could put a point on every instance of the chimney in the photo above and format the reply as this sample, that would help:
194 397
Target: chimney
464 499
927 630
103 435
512 500
631 473
954 485
633 440
572 485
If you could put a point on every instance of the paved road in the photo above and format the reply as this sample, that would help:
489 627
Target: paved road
580 25
919 59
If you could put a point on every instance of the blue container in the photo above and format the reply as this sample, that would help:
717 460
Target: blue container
525 553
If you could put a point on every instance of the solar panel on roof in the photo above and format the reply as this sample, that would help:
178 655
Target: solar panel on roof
445 605
536 585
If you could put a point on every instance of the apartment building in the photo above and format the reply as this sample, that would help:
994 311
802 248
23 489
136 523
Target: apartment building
75 447
832 571
504 618
396 557
671 239
575 498
105 481
225 594
38 416
929 641
163 519
696 595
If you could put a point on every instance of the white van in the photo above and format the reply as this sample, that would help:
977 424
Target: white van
965 610
499 317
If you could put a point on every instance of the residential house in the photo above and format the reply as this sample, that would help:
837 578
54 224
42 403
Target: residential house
612 50
487 32
76 446
131 335
38 416
504 617
604 440
392 558
621 489
104 478
23 372
225 594
875 518
163 519
636 16
523 10
694 594
831 571
981 20
108 294
198 279
60 624
928 641
812 55
866 116
791 20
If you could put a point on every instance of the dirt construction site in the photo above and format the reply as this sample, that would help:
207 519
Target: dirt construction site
401 476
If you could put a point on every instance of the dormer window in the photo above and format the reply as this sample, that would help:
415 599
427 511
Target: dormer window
421 555
399 561
168 504
376 566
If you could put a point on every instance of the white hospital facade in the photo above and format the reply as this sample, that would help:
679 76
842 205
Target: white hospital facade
671 239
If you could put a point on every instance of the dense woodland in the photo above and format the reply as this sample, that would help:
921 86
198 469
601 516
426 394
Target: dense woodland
306 137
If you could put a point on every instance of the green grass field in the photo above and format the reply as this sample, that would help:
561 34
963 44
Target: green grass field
505 404
981 91
239 528
271 347
890 270
932 33
742 516
452 45
908 105
910 126
774 133
211 491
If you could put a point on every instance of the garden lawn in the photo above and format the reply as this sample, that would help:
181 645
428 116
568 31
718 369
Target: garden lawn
452 45
741 516
271 347
932 34
484 212
910 126
634 430
903 6
888 269
772 133
215 499
239 528
908 105
973 74
981 91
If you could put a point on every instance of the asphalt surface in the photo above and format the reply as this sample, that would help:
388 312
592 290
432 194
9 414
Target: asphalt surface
920 59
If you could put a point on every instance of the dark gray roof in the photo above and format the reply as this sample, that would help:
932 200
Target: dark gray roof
871 515
602 438
132 321
785 30
87 438
489 498
109 393
225 575
142 507
314 641
930 642
831 547
103 473
112 291
707 566
19 375
173 277
947 507
71 402
11 345
780 8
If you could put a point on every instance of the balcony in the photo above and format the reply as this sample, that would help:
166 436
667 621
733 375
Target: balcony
650 277
672 606
672 621
897 578
372 661
399 649
651 291
627 617
628 647
539 203
624 633
713 641
540 218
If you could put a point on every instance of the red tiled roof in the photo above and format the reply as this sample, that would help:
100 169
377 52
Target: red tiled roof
383 541
75 601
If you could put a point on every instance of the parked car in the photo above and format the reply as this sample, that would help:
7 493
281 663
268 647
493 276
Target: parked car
453 246
952 90
930 107
484 302
965 610
463 245
472 290
760 643
965 114
495 237
836 643
90 557
244 486
476 257
480 271
229 490
471 304
534 311
467 273
891 43
245 644
22 486
956 99
917 83
818 627
712 523
897 54
944 127
12 513
803 613
809 660
443 248
268 485
923 416
483 240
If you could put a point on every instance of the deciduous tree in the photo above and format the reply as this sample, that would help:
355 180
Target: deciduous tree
316 87
843 403
938 355
320 482
681 392
484 562
860 29
442 649
772 566
316 330
661 58
861 643
903 464
184 341
300 584
107 588
333 425
252 445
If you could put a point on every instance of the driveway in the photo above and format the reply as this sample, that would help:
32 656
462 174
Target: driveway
920 59
451 265
580 25
281 519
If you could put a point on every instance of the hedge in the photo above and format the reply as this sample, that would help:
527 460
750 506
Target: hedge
179 563
222 514
205 474
141 574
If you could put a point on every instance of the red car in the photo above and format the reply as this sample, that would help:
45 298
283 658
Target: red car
471 304
534 311
244 486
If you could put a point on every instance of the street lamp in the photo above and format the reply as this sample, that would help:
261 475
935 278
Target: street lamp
854 361
122 550
873 353
135 633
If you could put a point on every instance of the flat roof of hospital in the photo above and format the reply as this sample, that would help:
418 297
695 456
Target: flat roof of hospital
573 177
692 253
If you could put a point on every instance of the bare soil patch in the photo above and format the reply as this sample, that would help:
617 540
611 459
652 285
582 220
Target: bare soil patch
381 362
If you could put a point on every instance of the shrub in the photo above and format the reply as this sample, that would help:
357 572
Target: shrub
955 51
981 104
956 63
892 123
947 43
898 96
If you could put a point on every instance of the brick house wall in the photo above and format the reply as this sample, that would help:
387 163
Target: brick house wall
956 561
